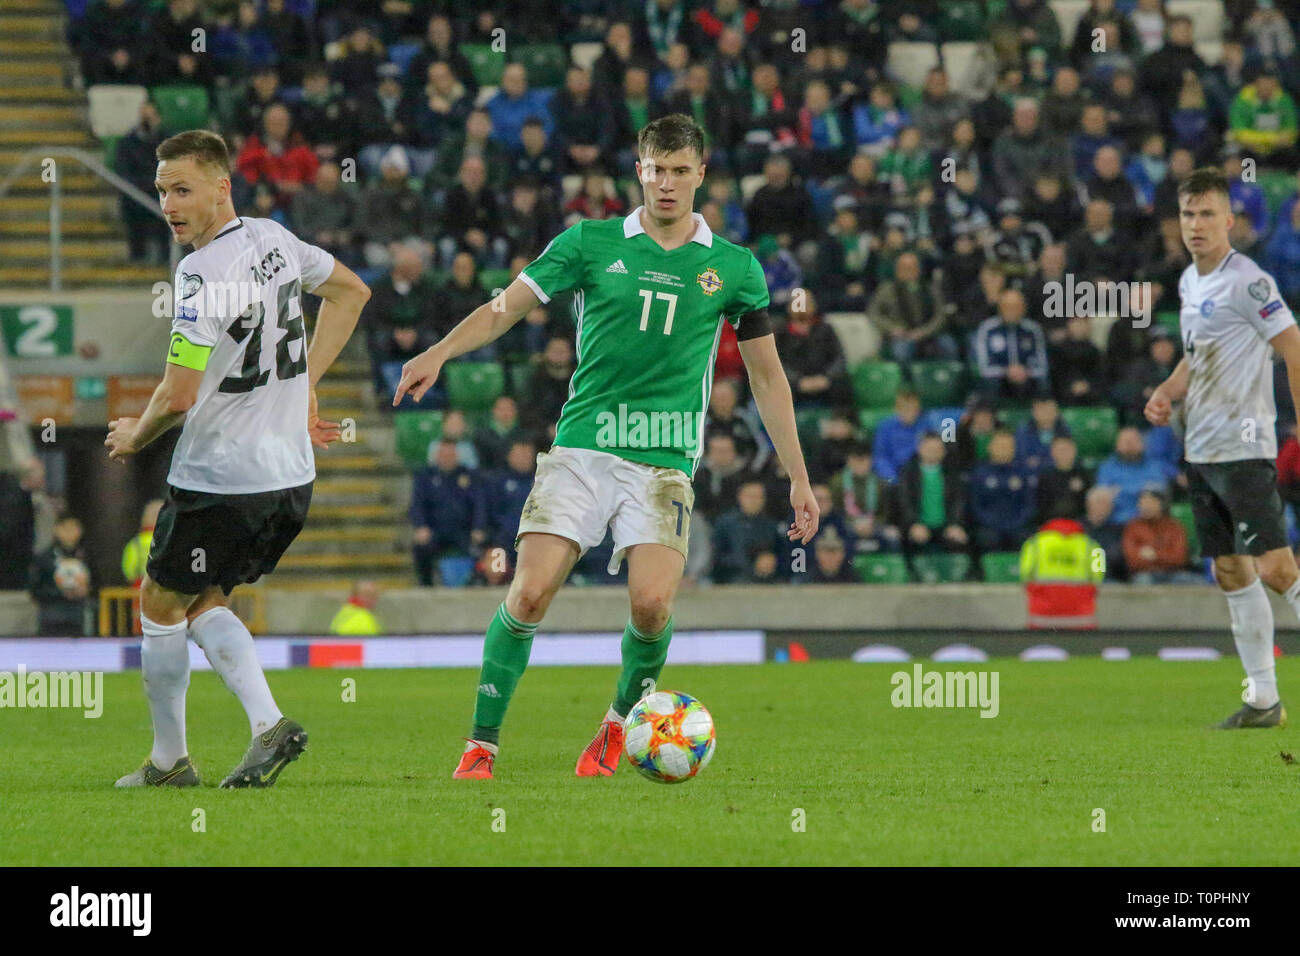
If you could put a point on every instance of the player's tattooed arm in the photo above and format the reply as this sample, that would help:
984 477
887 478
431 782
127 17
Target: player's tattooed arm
1173 389
772 395
487 323
173 397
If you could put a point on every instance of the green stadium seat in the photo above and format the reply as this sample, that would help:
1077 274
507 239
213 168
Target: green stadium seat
1182 512
110 151
808 422
494 279
1093 429
1013 417
545 63
881 568
875 383
939 383
415 431
870 418
961 20
181 107
941 568
1278 186
485 63
474 386
1001 567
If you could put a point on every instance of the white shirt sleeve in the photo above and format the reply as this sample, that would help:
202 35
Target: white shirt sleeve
198 312
1257 298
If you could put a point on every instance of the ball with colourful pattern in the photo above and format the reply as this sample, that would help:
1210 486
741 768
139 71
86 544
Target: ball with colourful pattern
669 736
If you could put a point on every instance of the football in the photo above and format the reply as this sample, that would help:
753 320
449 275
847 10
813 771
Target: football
71 575
669 736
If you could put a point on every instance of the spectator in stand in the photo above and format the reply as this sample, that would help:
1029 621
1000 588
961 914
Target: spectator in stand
146 235
1099 523
357 616
877 120
111 45
1026 150
1282 257
357 70
813 357
60 583
1288 471
440 46
719 477
1263 121
1155 545
1128 471
823 131
930 501
700 100
1063 485
547 391
1014 247
1143 375
1076 366
597 199
1062 105
440 107
780 205
939 110
1109 183
471 218
401 323
446 509
327 114
389 210
1162 72
896 438
1034 438
634 106
976 304
173 57
324 213
911 314
1097 247
241 42
502 430
279 156
583 121
476 142
746 541
865 499
1093 134
1003 497
840 268
1011 351
455 430
263 92
515 103
831 564
725 417
619 53
1131 113
505 490
17 532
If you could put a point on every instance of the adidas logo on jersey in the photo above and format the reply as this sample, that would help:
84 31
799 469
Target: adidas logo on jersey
488 690
618 267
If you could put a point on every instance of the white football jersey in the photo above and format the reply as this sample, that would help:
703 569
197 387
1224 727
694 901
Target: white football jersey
239 295
1227 319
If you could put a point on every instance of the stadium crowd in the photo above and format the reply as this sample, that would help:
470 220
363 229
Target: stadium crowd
911 234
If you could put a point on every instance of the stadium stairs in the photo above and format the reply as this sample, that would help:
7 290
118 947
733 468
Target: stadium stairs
357 526
40 107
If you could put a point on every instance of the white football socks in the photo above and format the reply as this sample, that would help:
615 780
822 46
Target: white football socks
1252 631
230 650
165 664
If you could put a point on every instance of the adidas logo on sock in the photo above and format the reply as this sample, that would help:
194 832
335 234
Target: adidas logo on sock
488 690
618 267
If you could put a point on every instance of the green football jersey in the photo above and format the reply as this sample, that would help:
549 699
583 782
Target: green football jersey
648 324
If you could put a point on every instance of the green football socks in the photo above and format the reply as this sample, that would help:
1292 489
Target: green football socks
643 660
505 656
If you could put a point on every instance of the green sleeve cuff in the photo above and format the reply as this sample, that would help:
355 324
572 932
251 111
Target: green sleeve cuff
185 353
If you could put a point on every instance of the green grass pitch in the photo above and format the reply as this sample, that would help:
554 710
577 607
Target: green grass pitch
877 785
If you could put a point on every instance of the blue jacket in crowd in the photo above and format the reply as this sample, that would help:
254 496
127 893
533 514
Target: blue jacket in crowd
1130 477
893 444
450 504
1002 497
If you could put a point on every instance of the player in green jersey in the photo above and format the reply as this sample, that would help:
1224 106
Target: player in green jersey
651 293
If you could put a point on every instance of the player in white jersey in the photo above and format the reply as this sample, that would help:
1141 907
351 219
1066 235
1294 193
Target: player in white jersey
242 378
1233 320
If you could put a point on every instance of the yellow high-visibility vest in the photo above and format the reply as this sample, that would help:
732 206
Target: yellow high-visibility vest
136 555
354 620
1050 557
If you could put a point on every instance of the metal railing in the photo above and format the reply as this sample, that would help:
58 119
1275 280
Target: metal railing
35 156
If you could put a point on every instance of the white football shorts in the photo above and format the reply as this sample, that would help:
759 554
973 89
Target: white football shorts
579 493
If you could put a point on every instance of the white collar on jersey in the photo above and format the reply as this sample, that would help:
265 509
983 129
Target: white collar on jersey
703 234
